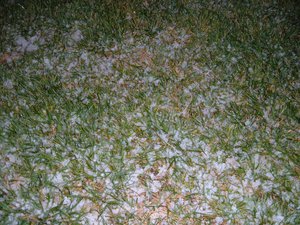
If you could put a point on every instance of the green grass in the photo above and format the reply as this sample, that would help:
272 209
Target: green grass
166 112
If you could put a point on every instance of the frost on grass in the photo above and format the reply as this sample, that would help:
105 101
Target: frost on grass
142 133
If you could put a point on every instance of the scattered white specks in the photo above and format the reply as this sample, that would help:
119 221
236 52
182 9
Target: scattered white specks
85 58
234 60
26 45
93 218
58 179
72 65
277 219
186 144
232 162
22 43
155 186
256 184
48 64
219 220
204 209
162 172
8 84
177 136
77 36
157 146
164 137
141 125
31 48
220 167
208 111
270 176
141 160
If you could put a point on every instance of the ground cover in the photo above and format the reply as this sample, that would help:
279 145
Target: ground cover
153 112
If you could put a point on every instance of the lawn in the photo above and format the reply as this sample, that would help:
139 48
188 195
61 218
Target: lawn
149 112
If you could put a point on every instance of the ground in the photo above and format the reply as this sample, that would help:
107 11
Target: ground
149 112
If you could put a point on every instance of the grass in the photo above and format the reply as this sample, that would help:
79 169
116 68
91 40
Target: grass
153 112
